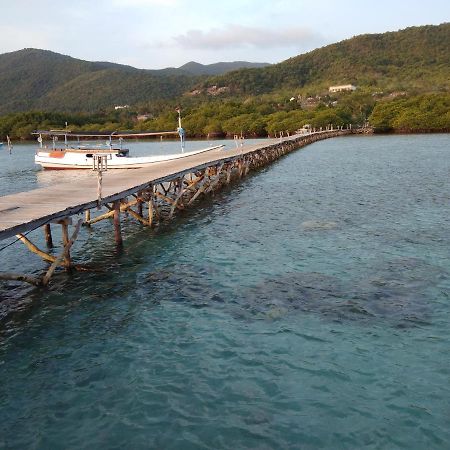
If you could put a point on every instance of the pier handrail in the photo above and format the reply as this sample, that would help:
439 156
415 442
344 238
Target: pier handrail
100 134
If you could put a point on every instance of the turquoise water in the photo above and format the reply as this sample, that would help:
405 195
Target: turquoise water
305 307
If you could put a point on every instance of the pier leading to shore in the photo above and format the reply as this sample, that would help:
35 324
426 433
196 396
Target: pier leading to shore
149 195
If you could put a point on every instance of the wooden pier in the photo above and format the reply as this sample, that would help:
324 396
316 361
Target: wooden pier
150 195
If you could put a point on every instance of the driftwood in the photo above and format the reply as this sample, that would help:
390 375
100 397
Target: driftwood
7 276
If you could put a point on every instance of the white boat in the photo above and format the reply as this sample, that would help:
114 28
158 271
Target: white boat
80 156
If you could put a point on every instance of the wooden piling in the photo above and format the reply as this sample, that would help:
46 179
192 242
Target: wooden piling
117 230
150 212
48 235
65 241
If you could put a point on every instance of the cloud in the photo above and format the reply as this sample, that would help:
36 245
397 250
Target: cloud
15 38
235 36
144 3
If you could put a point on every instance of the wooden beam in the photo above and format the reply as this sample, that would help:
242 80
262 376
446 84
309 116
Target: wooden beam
168 200
34 249
63 255
201 189
138 217
123 207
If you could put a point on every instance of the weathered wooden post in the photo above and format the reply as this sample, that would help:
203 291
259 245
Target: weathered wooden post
117 230
48 235
140 205
100 165
65 241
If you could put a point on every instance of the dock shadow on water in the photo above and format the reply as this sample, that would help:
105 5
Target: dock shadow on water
395 294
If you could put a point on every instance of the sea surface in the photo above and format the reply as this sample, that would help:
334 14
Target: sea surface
306 306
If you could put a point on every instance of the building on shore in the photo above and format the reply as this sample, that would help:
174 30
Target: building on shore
342 88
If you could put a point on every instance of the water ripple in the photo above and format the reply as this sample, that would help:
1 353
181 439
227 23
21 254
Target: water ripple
305 307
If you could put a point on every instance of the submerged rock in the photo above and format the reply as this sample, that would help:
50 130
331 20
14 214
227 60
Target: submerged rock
182 283
396 293
311 225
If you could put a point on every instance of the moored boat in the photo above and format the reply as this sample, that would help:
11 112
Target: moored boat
82 156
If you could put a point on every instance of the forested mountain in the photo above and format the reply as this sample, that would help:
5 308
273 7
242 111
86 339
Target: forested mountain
402 79
41 79
416 57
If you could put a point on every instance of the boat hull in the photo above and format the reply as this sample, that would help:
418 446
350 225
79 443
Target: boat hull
75 161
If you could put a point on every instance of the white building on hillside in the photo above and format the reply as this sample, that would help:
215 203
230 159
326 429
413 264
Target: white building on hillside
344 87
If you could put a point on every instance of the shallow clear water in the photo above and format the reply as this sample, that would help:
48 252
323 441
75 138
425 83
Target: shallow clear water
305 307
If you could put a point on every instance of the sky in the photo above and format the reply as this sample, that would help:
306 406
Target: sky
153 34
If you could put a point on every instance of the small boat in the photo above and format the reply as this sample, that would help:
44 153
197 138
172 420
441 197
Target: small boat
109 155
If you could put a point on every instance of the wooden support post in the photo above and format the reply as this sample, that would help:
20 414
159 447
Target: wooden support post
117 231
64 255
215 181
155 209
200 190
48 235
246 167
87 216
65 241
150 212
230 167
179 191
241 168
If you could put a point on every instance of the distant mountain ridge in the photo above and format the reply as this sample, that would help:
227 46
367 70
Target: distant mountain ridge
42 79
414 59
219 68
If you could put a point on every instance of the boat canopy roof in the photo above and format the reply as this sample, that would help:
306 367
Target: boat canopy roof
114 134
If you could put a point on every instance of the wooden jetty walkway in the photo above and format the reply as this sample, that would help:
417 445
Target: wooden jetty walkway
149 195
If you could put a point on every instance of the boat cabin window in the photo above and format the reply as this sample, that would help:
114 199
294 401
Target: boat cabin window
89 155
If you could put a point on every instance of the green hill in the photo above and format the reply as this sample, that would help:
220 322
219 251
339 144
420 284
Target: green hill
403 81
415 58
41 79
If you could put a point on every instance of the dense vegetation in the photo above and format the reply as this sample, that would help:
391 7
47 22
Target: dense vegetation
420 113
402 78
40 79
254 117
415 58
